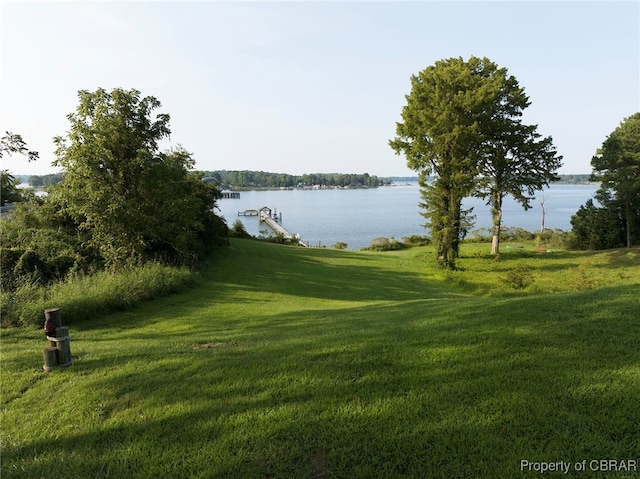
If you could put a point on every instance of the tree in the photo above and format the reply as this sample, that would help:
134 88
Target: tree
617 165
138 203
596 228
516 162
10 144
9 191
543 213
37 181
453 109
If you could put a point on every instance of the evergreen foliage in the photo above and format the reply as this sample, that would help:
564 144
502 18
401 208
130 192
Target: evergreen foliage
238 230
461 132
9 191
616 222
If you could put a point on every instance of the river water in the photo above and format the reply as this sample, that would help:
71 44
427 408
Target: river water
357 216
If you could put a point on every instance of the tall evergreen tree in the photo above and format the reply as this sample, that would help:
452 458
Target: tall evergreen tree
617 166
515 161
451 111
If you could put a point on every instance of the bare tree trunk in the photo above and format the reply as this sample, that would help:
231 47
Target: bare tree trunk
541 201
496 211
627 214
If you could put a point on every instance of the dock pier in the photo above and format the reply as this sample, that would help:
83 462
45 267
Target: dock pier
234 195
248 213
271 220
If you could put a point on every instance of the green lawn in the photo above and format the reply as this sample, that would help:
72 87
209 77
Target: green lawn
284 362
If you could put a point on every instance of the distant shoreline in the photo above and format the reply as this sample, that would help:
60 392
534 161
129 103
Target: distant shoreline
569 179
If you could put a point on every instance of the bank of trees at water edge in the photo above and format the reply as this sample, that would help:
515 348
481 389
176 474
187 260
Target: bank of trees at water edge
262 179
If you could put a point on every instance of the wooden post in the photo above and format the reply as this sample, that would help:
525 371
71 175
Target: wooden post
59 351
50 358
64 346
53 315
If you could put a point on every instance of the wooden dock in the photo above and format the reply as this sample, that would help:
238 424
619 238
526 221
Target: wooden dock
271 220
277 228
248 213
234 195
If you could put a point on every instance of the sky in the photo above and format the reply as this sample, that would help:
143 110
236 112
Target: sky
310 87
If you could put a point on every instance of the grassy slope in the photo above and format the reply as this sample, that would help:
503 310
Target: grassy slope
291 362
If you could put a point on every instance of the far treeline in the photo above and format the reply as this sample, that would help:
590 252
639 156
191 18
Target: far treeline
262 179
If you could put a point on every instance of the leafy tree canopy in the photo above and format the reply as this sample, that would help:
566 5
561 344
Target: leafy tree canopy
11 144
137 202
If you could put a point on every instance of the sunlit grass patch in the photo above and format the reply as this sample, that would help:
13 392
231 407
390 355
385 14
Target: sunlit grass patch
291 362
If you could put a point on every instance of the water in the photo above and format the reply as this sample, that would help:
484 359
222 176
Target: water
357 216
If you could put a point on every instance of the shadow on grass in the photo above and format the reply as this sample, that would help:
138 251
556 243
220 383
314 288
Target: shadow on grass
619 258
418 388
321 274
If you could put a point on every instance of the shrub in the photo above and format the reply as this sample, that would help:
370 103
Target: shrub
479 235
384 244
520 277
238 230
582 279
416 240
596 228
516 234
82 296
36 249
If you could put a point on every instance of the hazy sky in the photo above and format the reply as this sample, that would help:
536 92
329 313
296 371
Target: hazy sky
306 87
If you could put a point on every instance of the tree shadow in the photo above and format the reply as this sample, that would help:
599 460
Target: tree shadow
418 388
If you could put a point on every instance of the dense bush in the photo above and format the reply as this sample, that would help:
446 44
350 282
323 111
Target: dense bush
520 277
516 234
82 296
39 247
597 227
238 230
278 238
416 240
385 244
121 204
137 203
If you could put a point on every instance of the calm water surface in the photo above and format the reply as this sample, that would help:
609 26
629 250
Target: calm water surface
356 217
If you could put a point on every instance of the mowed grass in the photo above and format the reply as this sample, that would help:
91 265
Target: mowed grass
286 362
